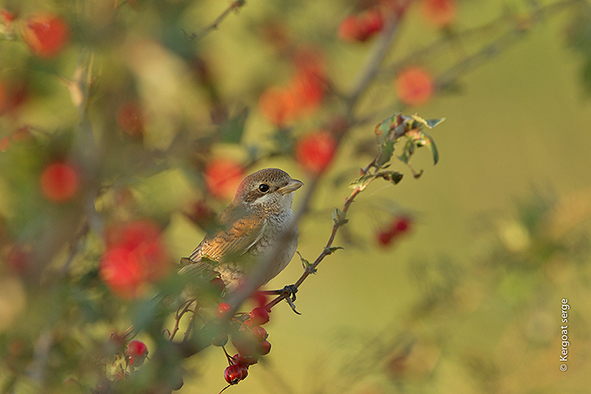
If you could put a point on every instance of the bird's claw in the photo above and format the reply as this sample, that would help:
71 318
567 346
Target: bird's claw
289 292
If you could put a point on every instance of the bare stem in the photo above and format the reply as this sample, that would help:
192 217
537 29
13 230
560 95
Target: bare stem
234 5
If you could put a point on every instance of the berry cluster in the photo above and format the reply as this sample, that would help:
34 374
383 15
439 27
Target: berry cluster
248 337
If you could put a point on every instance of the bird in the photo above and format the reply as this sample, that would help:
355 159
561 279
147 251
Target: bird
258 223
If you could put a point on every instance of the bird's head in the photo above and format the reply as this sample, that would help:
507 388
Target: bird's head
268 190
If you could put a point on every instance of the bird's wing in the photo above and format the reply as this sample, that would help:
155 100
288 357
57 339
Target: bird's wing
240 233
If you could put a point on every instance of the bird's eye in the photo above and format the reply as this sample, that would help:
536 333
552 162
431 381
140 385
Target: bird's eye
263 187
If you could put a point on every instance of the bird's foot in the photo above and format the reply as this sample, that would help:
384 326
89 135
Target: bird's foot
289 294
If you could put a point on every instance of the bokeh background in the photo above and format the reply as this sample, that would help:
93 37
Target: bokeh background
467 301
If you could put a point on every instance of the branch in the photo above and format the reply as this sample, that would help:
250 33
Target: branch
234 6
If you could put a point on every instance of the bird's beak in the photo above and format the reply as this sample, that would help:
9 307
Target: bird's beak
292 186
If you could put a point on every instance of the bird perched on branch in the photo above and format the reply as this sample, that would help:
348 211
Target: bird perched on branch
258 225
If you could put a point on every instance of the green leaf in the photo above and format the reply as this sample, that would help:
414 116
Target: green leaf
408 151
233 129
332 249
392 176
362 182
386 152
430 143
382 129
339 217
430 123
305 263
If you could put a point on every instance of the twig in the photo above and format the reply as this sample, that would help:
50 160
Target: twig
235 5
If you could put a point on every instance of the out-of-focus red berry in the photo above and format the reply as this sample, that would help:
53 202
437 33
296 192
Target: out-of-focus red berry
46 34
59 182
235 373
4 144
361 27
130 119
222 309
373 21
264 348
350 29
245 360
385 237
7 16
201 214
218 285
307 88
440 13
260 298
259 333
315 151
17 259
222 177
401 225
135 256
277 106
259 316
122 272
414 86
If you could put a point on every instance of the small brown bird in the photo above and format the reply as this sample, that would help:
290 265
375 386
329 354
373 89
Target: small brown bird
253 225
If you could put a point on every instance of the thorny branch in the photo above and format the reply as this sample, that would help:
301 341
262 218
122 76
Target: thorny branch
234 6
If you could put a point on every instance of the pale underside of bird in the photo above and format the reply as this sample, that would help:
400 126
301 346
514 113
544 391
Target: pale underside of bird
258 235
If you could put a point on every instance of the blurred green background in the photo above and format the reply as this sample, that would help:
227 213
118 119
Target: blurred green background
470 300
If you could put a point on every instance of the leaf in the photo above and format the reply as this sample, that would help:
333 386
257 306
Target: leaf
232 130
382 129
392 176
305 263
339 217
386 152
430 123
431 145
362 182
332 249
408 151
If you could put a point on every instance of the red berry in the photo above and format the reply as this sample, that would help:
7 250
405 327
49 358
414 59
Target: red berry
4 144
277 105
259 333
401 225
259 316
373 21
414 86
137 349
245 360
350 29
222 177
130 119
218 285
264 348
245 344
235 373
260 298
137 352
46 34
59 182
222 309
440 13
385 237
315 151
7 16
